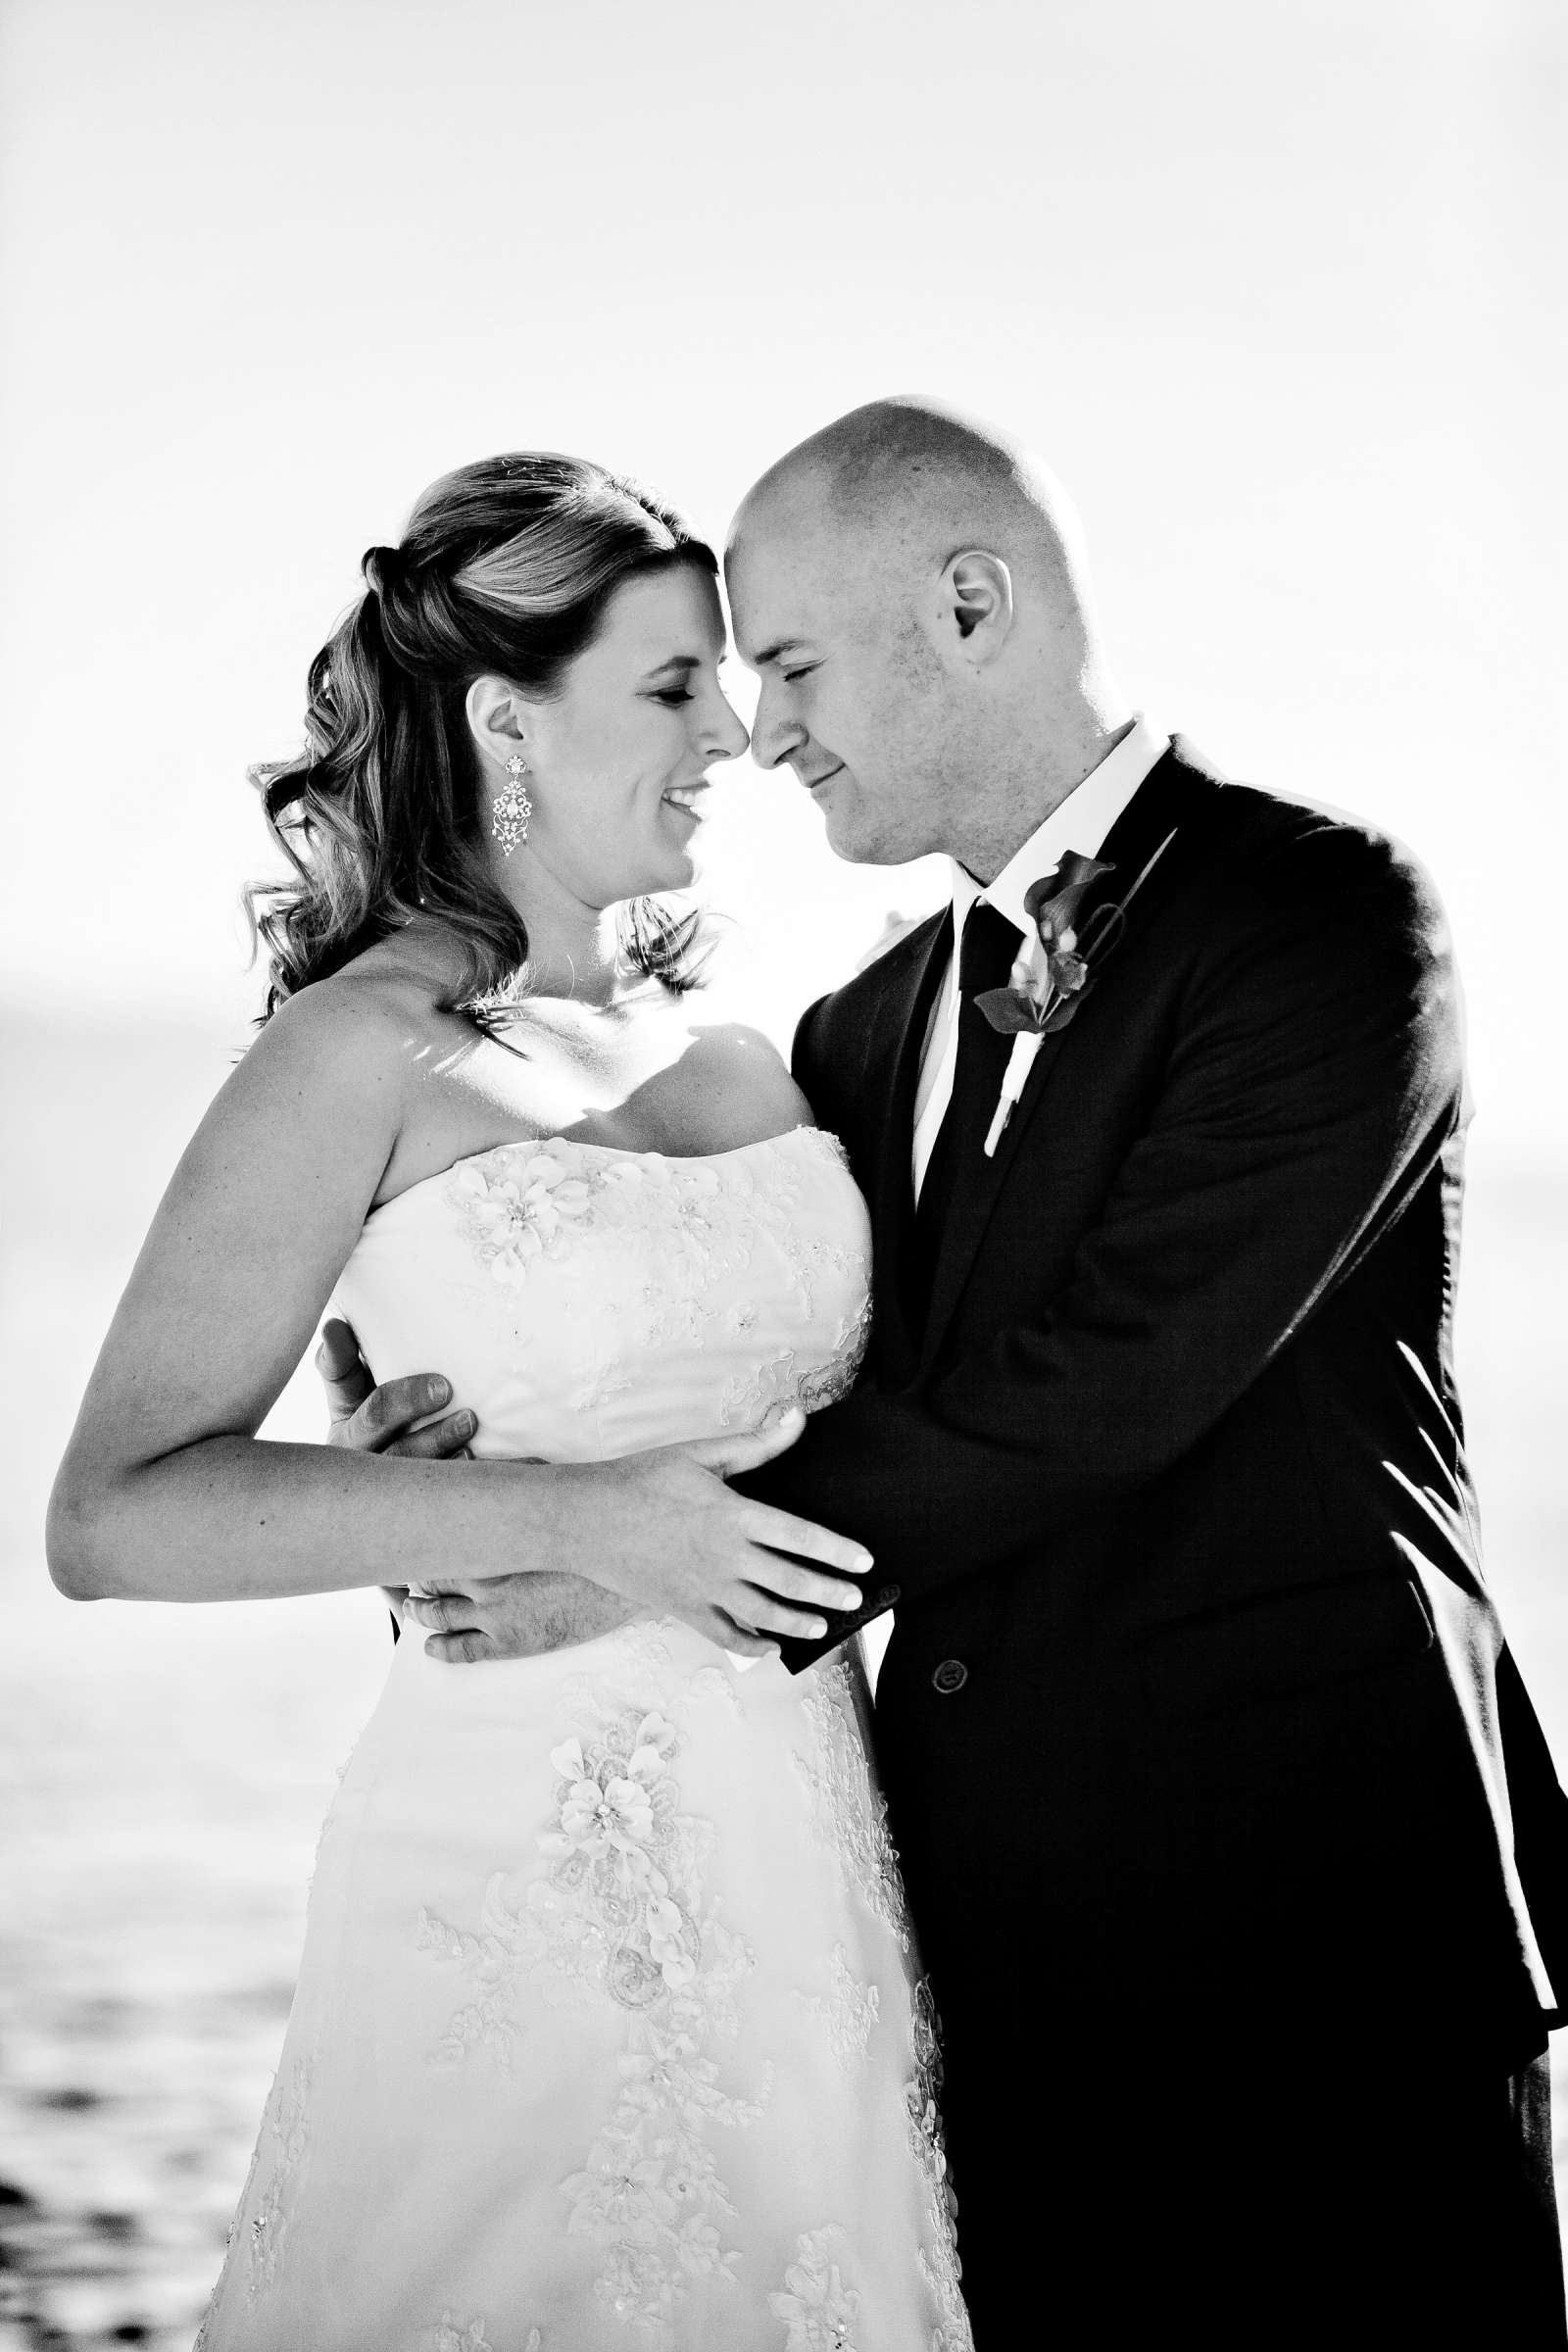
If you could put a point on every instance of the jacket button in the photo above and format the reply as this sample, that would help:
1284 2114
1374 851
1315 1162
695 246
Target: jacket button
949 1675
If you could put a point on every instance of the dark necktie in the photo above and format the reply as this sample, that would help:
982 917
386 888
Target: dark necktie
991 945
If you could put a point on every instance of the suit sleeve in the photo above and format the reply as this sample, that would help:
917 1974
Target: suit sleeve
804 1069
1315 1076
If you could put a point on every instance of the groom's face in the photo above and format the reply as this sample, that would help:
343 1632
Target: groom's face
853 695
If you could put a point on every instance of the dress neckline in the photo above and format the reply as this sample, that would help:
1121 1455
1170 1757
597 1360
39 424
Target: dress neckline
568 1143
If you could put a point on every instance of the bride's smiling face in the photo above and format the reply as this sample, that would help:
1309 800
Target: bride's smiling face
616 761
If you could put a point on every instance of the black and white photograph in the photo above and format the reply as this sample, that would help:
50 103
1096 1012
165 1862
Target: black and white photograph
784 1179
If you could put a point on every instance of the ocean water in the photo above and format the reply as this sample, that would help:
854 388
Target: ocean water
163 1771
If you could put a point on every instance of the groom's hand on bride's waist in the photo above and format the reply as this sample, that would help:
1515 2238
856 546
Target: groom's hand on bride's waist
660 1534
658 1531
467 1621
512 1616
401 1416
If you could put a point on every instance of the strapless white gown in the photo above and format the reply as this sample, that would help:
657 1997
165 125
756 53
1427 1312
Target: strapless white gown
607 2031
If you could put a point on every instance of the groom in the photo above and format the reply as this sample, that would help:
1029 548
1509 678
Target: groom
1236 1852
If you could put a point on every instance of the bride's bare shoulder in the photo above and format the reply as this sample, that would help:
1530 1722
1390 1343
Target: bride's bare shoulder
364 1027
737 1081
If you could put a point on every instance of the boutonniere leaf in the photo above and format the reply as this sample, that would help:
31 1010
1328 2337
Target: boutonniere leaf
1015 1009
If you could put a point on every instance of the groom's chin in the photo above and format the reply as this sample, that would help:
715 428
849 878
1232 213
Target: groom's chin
856 843
856 851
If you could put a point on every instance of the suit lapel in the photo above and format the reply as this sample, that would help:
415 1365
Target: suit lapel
894 1079
1153 811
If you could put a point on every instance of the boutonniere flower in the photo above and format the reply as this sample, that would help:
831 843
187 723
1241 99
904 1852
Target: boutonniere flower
1057 967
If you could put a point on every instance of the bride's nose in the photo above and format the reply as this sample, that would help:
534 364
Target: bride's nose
726 737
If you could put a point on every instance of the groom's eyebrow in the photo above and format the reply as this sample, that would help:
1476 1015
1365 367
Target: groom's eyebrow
772 653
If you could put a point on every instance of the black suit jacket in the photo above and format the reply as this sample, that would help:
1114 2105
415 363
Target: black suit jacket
1193 1668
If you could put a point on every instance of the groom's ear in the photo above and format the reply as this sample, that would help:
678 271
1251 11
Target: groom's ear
977 604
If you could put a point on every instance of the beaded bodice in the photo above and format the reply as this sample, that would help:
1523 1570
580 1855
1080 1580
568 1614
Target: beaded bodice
588 1301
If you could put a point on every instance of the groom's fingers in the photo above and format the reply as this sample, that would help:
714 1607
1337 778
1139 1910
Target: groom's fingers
379 1420
470 1647
442 1442
444 1612
383 1423
344 1373
448 1617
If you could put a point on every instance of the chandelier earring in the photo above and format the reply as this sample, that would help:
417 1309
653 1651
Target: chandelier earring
509 821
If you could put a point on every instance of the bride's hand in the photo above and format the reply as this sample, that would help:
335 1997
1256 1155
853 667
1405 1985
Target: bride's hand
664 1531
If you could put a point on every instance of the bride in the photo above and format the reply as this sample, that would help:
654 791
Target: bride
607 2031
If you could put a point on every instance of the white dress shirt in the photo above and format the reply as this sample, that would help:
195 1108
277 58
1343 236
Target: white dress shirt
1080 822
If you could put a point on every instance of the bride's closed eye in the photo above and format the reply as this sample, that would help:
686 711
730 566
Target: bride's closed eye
674 694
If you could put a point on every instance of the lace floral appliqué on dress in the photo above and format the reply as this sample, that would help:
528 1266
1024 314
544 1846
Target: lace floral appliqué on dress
526 1205
848 2011
621 1913
607 2036
849 1810
627 1879
817 2309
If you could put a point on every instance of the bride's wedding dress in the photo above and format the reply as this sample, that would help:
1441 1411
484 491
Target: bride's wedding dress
608 2031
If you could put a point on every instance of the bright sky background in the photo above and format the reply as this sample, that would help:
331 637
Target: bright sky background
1272 286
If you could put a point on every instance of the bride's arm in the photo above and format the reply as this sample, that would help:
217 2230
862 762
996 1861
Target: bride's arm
167 1494
470 1619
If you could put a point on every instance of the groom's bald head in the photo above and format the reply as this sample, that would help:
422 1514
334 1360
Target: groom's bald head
915 481
909 585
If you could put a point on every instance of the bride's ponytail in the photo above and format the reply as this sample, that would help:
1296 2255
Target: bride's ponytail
506 568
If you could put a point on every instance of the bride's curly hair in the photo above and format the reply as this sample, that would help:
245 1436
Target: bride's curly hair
506 568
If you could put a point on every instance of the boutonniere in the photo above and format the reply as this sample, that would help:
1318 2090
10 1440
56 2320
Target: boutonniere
1057 967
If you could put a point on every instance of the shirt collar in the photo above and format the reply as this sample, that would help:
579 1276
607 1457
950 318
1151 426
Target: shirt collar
1080 822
